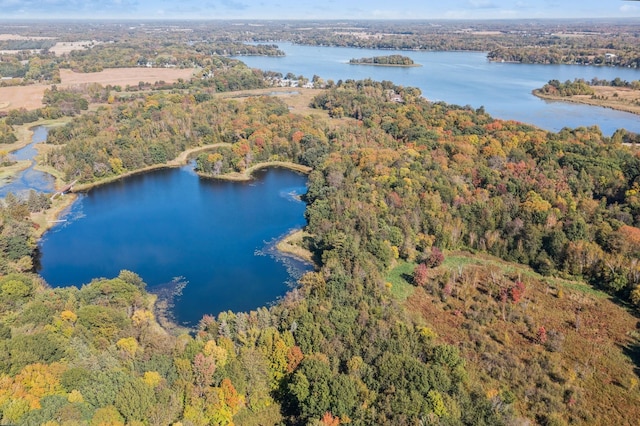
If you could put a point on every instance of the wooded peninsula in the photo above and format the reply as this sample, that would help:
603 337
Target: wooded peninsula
468 270
616 94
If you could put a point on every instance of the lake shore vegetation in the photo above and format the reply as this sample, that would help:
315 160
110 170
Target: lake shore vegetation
469 270
616 94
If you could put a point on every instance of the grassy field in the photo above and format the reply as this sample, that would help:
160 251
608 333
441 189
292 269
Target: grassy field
399 278
585 371
618 98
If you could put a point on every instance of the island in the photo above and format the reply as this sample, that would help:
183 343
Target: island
615 94
385 61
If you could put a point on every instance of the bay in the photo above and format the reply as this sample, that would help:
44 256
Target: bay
217 236
464 78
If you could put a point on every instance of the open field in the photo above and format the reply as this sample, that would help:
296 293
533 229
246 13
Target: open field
4 37
14 97
30 97
124 76
618 98
296 98
62 47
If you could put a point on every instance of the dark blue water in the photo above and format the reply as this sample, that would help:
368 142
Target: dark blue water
29 178
465 78
217 235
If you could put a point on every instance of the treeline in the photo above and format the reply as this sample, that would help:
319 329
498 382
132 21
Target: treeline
7 135
26 44
628 58
384 60
234 48
616 82
115 139
28 68
159 54
568 88
58 103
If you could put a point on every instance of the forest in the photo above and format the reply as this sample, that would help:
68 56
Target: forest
394 186
469 270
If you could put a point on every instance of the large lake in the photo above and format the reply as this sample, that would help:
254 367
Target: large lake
464 78
218 235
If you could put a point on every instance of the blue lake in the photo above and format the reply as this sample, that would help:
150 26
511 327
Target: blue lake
217 235
464 78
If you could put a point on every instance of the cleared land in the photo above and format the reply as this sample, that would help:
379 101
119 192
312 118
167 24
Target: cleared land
62 47
14 97
30 97
124 76
618 98
5 36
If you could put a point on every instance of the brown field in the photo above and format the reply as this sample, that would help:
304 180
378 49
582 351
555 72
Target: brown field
14 97
62 47
124 76
618 98
589 376
30 97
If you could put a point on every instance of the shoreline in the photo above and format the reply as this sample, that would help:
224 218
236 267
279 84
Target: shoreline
9 173
289 245
181 160
246 175
48 218
385 65
602 103
24 132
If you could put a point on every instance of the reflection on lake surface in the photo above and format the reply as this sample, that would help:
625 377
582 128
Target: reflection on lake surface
168 223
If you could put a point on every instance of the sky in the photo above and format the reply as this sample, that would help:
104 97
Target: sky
324 9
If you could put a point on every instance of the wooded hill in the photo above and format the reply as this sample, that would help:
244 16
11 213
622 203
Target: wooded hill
446 241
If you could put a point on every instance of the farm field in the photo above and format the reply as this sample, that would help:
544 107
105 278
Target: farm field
30 97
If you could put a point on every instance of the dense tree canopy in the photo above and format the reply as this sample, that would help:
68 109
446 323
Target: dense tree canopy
392 182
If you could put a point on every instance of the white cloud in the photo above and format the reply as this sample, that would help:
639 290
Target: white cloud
629 8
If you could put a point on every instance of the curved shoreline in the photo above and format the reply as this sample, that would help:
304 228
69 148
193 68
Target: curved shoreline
181 160
588 101
289 245
48 218
246 175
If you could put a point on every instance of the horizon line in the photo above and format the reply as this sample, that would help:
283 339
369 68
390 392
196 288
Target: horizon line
199 19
